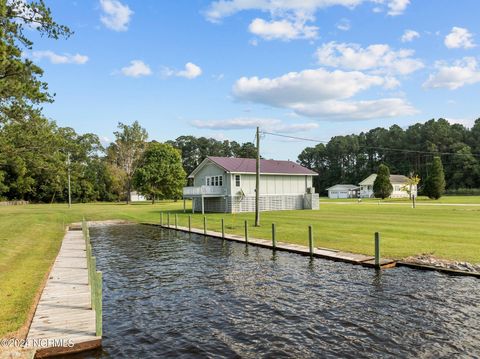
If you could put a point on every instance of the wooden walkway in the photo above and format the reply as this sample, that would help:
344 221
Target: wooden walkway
332 254
64 321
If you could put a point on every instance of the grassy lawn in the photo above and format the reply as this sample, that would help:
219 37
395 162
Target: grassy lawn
30 236
420 200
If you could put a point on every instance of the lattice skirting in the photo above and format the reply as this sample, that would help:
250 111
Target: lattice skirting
266 203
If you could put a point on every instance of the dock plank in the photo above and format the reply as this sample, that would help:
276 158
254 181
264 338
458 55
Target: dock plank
64 321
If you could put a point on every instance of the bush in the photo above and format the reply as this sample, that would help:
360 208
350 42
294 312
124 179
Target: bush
463 192
435 182
382 187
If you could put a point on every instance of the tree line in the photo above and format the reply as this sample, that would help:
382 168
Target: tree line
350 159
36 154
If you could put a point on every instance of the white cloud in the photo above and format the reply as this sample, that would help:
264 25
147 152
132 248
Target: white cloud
379 57
116 15
250 123
344 24
459 37
397 7
137 68
409 35
223 8
358 110
322 94
282 29
190 72
460 73
305 86
60 59
467 122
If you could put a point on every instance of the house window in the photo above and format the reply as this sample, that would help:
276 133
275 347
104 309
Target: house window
220 180
216 180
208 181
237 180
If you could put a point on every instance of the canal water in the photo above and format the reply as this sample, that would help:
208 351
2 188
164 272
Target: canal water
170 294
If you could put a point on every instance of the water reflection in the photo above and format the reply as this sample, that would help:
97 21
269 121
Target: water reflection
170 294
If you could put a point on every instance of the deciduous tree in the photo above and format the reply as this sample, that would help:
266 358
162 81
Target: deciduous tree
160 174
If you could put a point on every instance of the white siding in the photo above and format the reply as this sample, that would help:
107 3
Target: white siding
207 171
272 184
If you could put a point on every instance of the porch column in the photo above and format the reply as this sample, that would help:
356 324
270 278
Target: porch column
203 205
193 205
183 205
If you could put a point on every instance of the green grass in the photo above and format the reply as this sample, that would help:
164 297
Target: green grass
420 200
30 236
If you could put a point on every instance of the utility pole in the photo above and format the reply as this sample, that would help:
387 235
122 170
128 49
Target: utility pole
257 182
69 187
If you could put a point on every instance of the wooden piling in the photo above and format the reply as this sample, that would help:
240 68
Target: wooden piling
204 225
161 219
190 223
98 304
176 221
377 250
310 240
246 231
223 228
93 271
168 219
274 239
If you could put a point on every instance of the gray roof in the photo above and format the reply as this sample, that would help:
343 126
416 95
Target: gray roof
394 179
344 187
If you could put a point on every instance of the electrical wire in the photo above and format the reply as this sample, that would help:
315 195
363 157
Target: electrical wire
377 148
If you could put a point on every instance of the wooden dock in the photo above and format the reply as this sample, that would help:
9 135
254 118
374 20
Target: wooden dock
332 254
64 321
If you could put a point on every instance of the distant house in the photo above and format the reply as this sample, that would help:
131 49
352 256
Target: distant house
343 191
224 184
398 182
137 197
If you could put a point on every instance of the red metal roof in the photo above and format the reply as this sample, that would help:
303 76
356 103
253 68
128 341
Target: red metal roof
248 165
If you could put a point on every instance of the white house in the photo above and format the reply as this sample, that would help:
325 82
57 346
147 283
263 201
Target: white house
343 191
224 184
399 182
137 197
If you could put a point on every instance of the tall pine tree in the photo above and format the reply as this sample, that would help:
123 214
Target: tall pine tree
382 187
435 182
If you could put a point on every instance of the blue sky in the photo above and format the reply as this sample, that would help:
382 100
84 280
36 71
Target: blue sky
311 68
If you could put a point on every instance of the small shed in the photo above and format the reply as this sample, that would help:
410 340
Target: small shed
343 191
137 197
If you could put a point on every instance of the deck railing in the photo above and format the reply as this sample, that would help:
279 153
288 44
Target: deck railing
204 190
94 279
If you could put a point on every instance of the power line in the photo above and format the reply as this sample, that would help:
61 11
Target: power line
376 148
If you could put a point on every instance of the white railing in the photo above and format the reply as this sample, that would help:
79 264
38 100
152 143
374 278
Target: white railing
204 190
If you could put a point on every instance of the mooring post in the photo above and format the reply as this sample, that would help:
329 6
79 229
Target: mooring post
274 240
93 271
246 231
161 219
310 240
223 229
189 223
377 250
176 221
98 305
168 219
205 225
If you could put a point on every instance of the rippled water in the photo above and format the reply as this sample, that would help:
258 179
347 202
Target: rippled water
169 294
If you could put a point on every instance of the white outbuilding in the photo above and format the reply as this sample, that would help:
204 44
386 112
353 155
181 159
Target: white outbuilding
343 191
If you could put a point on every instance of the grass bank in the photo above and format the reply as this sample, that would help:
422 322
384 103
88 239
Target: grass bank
30 236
